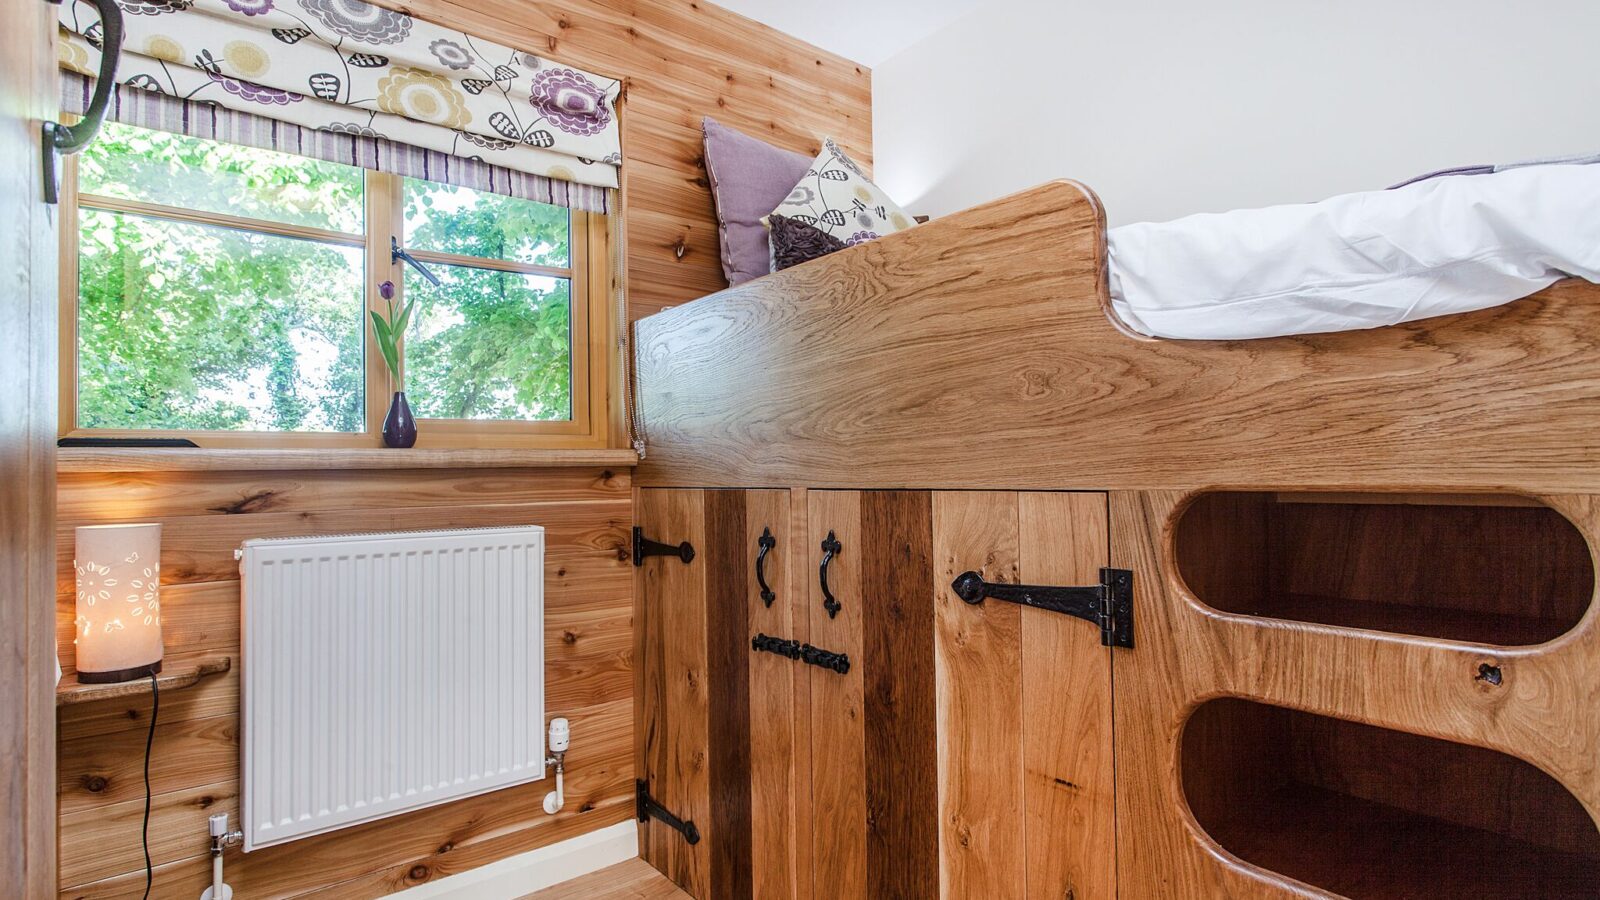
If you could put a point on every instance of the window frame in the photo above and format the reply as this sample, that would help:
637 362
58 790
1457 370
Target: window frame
592 327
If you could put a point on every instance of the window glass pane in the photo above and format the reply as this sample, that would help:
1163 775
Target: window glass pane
186 326
493 226
490 345
159 167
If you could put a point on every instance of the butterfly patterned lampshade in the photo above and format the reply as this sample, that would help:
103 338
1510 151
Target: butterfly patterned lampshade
118 626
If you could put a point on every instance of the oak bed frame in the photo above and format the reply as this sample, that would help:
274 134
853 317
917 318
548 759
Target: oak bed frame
1363 582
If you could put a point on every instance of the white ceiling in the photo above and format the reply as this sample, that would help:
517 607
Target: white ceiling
866 31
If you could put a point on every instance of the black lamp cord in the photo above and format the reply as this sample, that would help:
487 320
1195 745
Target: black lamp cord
149 741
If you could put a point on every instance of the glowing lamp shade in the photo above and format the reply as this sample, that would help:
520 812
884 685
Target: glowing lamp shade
118 625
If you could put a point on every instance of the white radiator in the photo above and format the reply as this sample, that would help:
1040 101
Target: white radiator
387 672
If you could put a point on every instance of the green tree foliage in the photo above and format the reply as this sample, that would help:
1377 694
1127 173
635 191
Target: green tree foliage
185 326
489 344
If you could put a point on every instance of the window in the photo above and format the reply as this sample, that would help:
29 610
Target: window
221 293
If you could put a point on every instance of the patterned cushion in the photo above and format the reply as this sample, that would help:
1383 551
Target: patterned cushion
836 197
794 242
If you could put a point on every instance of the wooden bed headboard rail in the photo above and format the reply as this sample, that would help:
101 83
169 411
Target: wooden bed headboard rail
975 351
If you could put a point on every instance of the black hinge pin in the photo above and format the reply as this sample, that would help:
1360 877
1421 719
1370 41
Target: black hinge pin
643 546
648 809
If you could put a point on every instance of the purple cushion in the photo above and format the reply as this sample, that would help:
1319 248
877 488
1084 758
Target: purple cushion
749 178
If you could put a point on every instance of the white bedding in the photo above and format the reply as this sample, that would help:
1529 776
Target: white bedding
1447 245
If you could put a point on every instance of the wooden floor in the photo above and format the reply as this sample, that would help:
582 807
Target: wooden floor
631 880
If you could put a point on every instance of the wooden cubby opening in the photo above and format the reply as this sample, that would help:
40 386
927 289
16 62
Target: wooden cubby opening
1371 813
1488 569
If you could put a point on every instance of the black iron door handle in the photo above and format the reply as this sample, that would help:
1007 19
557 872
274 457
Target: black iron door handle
68 139
766 542
830 548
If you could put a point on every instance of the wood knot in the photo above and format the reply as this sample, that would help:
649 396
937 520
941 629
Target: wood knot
569 637
205 802
561 573
679 249
418 872
445 847
94 783
588 806
249 503
563 24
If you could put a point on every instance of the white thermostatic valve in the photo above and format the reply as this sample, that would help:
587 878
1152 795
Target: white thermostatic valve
560 736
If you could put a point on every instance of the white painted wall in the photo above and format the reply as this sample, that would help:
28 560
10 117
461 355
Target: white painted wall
1171 107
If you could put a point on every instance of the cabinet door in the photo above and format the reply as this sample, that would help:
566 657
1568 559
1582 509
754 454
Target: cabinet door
1026 803
931 777
717 724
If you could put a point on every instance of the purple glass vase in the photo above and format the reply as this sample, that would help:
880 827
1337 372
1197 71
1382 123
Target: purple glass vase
399 427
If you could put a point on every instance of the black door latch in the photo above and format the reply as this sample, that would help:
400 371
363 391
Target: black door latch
811 656
1108 604
643 546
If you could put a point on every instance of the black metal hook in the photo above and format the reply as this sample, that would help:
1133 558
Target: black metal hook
65 140
830 548
766 542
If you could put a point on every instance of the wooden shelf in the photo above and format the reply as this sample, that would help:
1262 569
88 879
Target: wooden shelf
1362 849
175 674
1503 629
170 459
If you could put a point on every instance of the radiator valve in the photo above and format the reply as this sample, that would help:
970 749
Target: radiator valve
560 740
221 839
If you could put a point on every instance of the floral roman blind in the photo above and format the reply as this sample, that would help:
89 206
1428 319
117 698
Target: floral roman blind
358 83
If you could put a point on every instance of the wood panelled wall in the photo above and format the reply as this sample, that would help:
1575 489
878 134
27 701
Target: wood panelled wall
195 767
681 60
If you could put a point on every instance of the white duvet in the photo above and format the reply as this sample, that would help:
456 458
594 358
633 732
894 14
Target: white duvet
1447 245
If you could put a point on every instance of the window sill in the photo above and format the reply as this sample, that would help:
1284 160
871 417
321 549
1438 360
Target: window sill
122 459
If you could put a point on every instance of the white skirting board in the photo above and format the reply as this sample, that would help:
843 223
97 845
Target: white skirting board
538 869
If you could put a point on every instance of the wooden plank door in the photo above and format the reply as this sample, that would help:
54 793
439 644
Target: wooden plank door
720 729
872 728
1026 785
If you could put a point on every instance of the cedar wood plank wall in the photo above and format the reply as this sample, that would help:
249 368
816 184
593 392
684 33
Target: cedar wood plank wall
680 61
195 768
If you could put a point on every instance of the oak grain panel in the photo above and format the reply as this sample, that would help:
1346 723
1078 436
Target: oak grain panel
978 649
1541 712
995 315
1068 772
779 744
897 664
838 735
674 726
728 733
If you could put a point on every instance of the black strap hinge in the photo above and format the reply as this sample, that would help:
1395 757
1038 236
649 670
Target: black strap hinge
649 809
811 656
1109 604
643 546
